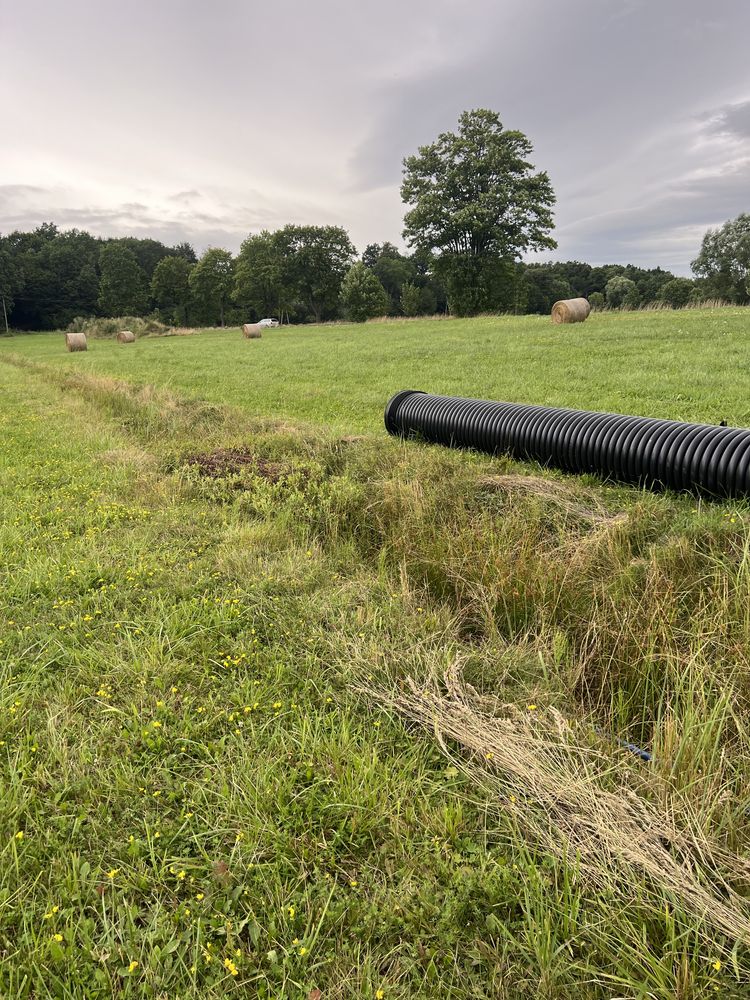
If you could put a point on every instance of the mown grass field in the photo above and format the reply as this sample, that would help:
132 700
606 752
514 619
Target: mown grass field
686 365
288 706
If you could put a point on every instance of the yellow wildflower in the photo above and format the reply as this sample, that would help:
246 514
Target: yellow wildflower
133 966
112 872
57 937
231 967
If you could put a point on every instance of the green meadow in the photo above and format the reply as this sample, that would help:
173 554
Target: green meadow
292 709
686 364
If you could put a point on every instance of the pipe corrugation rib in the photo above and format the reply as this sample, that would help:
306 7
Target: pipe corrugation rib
654 453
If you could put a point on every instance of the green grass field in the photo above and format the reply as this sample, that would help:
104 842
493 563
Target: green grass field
684 365
292 709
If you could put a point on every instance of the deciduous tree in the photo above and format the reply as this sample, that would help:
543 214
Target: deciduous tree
619 291
474 197
724 260
211 284
676 293
170 288
320 257
122 285
362 294
410 300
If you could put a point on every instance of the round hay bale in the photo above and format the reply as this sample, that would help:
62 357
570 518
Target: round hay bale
126 337
570 311
76 341
251 331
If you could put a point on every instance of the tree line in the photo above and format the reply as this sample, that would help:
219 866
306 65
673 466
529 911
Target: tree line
475 206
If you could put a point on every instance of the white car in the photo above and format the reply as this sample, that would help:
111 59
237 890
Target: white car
268 322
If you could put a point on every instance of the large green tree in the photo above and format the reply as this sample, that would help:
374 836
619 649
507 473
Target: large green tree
724 260
362 294
474 197
170 288
211 282
296 270
320 256
263 280
123 289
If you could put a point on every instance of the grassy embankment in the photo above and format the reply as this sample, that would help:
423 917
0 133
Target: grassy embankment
215 776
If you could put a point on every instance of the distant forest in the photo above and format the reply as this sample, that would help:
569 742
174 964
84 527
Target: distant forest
299 274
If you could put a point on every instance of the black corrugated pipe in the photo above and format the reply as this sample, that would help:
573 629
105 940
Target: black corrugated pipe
656 453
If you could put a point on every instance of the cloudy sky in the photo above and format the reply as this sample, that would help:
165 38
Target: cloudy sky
182 119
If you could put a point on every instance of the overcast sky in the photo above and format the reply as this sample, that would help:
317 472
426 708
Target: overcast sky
183 119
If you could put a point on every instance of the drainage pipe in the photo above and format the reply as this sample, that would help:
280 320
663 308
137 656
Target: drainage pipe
703 458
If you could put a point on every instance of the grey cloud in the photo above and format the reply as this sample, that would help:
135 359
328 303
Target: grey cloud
665 231
693 201
12 195
228 226
185 195
733 119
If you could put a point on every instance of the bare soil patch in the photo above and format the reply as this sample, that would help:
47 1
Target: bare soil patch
234 461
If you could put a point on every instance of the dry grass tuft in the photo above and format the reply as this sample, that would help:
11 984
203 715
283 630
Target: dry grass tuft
137 458
556 494
573 799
